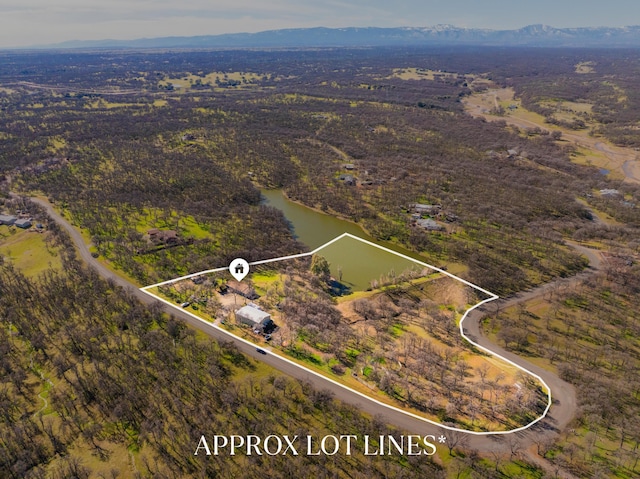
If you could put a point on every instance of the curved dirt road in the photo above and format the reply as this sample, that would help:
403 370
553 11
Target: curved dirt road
563 394
624 160
560 414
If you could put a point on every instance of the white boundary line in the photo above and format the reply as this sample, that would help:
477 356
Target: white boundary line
492 297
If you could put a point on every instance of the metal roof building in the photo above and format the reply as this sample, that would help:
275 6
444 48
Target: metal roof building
260 321
7 220
252 316
24 224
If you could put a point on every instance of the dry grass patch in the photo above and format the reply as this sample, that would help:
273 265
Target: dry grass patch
585 67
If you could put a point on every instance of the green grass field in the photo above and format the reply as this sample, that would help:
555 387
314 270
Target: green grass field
28 251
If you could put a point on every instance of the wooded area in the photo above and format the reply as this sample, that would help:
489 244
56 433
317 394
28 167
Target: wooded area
589 334
157 158
125 143
128 391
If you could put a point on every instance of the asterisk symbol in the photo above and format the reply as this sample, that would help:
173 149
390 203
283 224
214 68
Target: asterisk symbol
442 439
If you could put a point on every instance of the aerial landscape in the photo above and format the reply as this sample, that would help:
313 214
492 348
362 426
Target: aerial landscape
306 245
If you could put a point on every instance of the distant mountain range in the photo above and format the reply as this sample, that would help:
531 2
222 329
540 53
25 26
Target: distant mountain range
532 35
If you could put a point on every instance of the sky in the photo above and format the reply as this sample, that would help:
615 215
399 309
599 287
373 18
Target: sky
39 22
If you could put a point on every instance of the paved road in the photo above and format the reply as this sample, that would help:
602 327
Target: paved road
560 414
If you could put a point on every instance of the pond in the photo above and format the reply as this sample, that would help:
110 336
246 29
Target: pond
357 263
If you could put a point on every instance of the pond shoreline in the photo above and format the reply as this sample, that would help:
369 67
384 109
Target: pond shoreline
359 262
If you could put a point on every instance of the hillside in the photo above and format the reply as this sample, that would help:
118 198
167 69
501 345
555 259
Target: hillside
532 35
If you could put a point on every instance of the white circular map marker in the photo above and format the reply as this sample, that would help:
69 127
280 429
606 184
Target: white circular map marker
239 268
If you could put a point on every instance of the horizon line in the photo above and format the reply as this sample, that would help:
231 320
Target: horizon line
120 42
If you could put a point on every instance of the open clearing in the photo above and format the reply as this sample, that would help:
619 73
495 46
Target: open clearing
214 79
420 74
28 251
585 67
621 162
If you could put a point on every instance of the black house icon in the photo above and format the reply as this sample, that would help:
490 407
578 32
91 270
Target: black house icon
239 269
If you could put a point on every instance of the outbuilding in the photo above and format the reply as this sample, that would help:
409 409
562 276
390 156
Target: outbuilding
348 180
7 220
24 224
609 192
243 289
257 319
429 225
423 209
